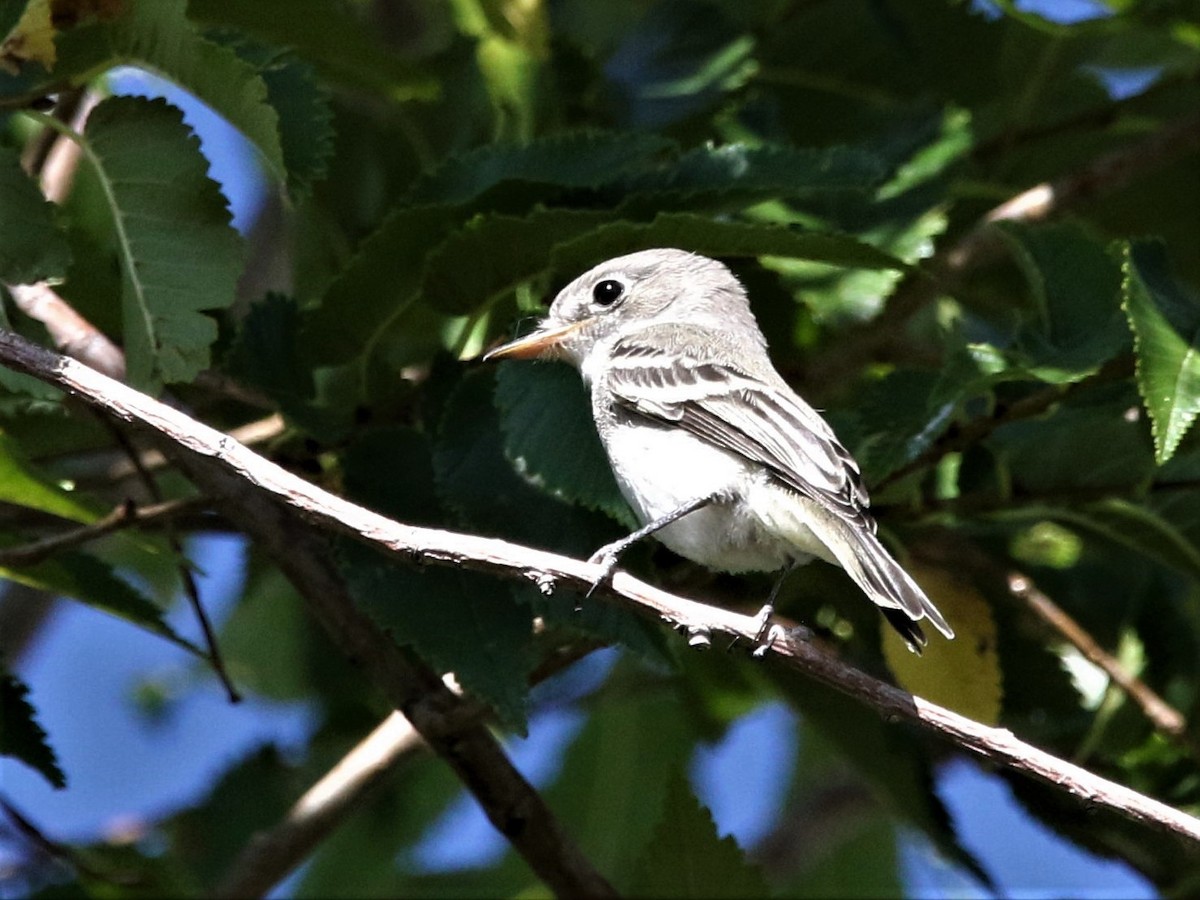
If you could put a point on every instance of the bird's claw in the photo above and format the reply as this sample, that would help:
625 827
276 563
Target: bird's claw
607 560
765 635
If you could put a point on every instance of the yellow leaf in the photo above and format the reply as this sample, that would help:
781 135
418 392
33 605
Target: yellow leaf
962 674
32 38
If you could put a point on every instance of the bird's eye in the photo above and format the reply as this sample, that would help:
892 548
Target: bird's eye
607 292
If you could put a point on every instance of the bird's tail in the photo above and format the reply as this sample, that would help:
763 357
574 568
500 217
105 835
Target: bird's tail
889 587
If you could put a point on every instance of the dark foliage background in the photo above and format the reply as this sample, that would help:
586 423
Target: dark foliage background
969 232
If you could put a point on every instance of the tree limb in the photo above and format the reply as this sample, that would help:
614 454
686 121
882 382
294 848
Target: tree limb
271 855
448 723
241 478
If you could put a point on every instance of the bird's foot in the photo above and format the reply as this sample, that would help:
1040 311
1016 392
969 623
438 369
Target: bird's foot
765 635
606 557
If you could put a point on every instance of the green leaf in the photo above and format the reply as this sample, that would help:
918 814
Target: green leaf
1076 285
377 286
687 858
1090 443
88 580
21 737
250 796
157 35
325 31
22 484
301 102
178 254
495 253
265 353
478 483
31 246
1165 319
741 174
10 14
615 775
549 435
458 621
899 417
702 234
584 159
866 862
1133 525
676 60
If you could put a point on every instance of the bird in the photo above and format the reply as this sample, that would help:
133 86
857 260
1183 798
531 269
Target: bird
719 459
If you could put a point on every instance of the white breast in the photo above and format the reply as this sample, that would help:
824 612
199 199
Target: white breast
660 469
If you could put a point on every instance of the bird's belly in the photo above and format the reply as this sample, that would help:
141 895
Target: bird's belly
661 469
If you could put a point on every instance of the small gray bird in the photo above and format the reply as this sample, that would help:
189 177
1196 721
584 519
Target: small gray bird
718 457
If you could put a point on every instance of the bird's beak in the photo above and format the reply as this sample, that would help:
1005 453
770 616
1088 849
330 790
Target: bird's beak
542 342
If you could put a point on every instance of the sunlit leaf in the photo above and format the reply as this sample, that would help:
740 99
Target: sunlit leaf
158 35
178 254
1166 324
21 483
31 38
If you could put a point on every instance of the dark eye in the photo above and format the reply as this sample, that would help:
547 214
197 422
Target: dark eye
608 292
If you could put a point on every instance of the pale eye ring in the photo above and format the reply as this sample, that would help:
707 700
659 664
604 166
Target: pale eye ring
607 292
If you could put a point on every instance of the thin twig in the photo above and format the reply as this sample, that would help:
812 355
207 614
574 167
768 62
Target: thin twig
1164 717
1029 406
125 515
54 161
272 854
242 481
190 589
72 333
64 853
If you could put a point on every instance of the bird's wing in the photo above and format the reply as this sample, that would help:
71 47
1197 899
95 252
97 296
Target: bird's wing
734 410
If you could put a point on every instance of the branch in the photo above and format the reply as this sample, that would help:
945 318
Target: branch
1164 717
54 161
229 471
448 723
271 855
127 515
1034 404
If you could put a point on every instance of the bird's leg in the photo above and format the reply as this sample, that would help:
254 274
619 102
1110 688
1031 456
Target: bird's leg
609 554
762 642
